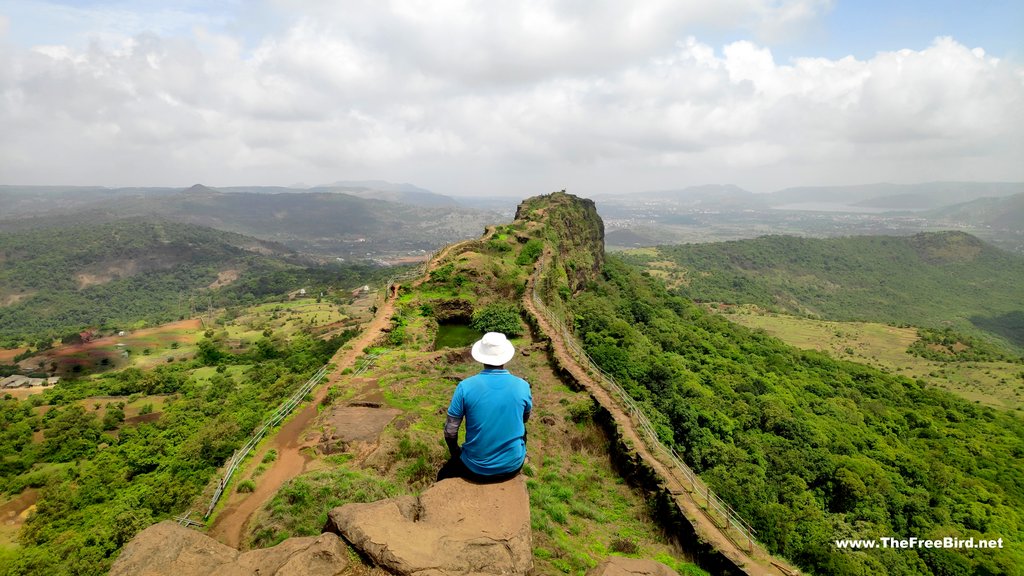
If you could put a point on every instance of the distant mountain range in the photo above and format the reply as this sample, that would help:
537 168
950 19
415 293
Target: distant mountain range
895 197
346 219
1005 212
993 211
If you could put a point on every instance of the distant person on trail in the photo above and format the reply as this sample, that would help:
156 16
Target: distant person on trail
496 406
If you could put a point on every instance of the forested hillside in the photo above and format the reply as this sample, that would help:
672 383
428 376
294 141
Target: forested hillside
130 271
809 449
929 279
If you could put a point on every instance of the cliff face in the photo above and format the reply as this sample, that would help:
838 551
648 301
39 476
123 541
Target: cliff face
573 228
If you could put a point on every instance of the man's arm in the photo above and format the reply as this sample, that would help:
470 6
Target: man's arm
527 409
451 435
526 417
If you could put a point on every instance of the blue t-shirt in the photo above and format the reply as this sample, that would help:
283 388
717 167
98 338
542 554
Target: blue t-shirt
493 403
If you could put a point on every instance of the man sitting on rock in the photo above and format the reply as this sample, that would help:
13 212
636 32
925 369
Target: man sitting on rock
496 406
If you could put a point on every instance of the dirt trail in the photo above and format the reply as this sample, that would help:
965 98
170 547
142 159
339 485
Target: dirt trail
759 562
290 440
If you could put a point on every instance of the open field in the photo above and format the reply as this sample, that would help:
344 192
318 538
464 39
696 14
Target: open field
284 318
142 348
996 384
22 393
176 341
7 354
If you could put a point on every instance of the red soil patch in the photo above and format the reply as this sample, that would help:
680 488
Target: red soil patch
14 512
90 355
22 393
142 418
7 354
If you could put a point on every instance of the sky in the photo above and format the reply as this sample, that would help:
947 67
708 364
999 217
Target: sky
511 98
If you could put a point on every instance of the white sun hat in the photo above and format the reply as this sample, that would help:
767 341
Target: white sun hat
493 349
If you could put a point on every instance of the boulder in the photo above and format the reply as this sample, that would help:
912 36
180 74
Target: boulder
454 527
167 549
619 566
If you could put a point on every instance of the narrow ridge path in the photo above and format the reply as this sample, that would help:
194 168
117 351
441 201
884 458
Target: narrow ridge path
757 563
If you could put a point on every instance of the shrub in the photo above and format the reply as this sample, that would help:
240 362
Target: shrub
530 253
246 486
498 317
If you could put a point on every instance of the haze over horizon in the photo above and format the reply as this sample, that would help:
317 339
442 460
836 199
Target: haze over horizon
476 98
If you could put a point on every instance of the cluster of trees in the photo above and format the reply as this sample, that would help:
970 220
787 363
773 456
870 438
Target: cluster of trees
947 345
98 488
807 448
501 317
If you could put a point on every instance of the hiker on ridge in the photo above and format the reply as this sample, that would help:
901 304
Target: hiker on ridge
496 406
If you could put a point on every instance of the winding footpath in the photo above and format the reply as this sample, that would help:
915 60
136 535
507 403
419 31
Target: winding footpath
756 562
290 440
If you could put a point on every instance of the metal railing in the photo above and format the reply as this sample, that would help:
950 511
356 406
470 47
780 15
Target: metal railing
282 411
730 518
278 415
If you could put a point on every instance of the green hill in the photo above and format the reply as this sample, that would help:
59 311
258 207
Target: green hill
933 280
806 448
120 273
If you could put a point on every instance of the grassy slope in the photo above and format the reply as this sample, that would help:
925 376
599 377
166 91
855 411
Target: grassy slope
932 280
997 384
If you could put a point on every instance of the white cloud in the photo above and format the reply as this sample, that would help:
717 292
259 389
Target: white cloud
464 96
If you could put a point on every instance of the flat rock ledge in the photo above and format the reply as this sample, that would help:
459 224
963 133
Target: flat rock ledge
618 566
454 528
167 549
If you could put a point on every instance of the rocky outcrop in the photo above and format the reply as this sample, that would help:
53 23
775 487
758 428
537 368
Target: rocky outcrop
453 310
618 566
574 230
167 549
454 527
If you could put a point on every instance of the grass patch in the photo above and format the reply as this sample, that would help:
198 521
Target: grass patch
300 507
996 384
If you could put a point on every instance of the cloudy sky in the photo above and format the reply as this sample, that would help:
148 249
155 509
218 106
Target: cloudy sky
467 97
